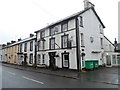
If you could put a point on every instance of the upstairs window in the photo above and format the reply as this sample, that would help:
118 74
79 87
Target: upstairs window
41 45
101 42
81 21
64 41
100 28
42 34
82 39
25 47
31 46
64 27
52 43
53 30
20 47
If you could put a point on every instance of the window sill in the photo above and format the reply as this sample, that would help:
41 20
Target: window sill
82 46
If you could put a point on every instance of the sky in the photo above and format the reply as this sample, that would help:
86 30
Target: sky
19 18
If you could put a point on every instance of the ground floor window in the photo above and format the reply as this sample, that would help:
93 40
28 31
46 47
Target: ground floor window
39 59
31 59
65 60
114 59
43 59
118 59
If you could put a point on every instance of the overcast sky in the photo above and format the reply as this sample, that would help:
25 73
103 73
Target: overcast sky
19 18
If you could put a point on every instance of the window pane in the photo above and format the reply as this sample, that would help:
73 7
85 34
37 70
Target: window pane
64 27
52 43
113 59
31 46
39 59
31 59
43 59
52 31
64 41
42 34
81 21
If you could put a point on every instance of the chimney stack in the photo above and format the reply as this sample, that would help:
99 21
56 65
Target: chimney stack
88 4
13 42
31 35
8 43
19 39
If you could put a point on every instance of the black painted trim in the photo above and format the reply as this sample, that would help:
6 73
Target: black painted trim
78 45
68 60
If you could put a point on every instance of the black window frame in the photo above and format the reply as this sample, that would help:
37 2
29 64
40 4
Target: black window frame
41 34
81 21
65 22
52 28
31 62
43 58
101 43
25 47
50 43
62 43
20 48
31 46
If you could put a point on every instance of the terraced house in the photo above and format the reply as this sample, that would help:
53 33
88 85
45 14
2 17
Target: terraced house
26 50
69 42
9 53
20 52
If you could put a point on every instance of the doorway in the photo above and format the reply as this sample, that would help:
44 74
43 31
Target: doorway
25 59
65 60
52 62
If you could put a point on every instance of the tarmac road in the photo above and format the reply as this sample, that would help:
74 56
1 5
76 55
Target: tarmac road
15 78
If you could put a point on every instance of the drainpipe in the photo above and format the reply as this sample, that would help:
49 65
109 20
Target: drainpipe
36 50
78 45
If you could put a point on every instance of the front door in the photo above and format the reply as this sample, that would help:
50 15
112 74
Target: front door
25 59
108 61
65 60
51 59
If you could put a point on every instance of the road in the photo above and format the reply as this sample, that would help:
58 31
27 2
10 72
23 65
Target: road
15 78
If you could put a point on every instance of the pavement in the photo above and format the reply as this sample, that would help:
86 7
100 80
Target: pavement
101 75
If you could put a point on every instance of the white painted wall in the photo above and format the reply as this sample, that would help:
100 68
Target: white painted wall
91 29
72 52
28 40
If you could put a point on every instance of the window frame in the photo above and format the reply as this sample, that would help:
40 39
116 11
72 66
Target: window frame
25 47
51 43
101 43
31 59
64 23
42 34
62 42
81 21
31 46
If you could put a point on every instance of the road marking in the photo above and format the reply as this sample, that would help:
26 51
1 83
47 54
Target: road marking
11 73
32 80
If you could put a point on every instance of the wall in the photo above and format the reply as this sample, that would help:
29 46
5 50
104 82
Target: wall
91 29
72 52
